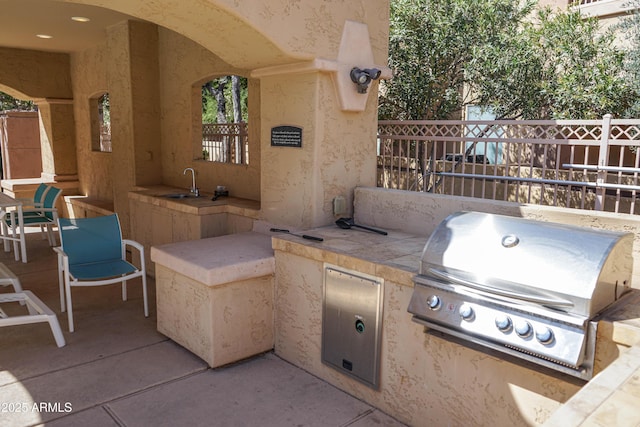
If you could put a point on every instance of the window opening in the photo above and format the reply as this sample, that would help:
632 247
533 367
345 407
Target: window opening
225 120
101 123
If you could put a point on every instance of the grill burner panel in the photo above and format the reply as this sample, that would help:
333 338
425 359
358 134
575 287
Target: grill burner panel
527 288
521 330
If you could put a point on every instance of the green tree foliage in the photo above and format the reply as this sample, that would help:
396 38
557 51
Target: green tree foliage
9 103
558 65
104 108
218 104
430 43
630 29
502 54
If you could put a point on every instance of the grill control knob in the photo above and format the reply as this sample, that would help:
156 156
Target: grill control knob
434 302
466 312
523 328
544 335
503 322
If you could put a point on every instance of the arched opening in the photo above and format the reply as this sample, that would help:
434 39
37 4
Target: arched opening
239 42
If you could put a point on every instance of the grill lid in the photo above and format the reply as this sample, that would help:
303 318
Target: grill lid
573 269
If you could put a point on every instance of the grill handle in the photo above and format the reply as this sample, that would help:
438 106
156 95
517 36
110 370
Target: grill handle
538 299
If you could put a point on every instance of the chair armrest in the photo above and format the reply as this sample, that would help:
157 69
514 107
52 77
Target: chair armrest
60 252
26 200
40 210
133 243
139 247
29 202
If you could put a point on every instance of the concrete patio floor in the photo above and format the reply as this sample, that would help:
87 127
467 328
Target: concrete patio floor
117 370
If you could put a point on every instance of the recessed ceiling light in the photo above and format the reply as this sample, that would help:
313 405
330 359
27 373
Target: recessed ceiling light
44 36
80 19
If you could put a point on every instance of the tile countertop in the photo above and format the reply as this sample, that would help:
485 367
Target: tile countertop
203 205
240 256
394 257
610 398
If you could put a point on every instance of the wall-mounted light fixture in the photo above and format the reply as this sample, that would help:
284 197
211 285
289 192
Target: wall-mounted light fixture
362 78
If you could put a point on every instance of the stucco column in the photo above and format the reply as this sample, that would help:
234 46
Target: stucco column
135 104
57 139
337 154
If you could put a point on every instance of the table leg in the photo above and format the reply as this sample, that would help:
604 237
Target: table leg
12 218
5 230
23 243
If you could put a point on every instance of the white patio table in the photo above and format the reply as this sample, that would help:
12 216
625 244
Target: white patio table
13 208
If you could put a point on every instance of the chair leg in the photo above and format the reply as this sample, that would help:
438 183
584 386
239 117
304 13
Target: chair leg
50 235
124 290
41 312
61 284
16 245
5 233
56 331
8 278
67 286
144 294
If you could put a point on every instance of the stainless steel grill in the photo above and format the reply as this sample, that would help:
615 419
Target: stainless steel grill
527 288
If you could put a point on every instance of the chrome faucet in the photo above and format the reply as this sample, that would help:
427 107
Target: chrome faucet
193 189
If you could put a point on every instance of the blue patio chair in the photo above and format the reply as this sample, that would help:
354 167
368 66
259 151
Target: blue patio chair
45 215
36 201
93 253
38 197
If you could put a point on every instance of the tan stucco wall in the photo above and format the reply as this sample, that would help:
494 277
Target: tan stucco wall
253 33
57 137
126 67
298 185
317 25
132 75
294 58
27 74
89 75
145 103
337 154
425 380
220 323
184 67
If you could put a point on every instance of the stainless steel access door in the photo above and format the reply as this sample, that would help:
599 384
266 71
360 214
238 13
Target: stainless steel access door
352 323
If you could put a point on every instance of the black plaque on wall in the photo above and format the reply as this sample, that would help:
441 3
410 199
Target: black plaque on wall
286 136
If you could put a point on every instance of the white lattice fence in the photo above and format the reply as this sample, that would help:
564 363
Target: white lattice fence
587 164
225 142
